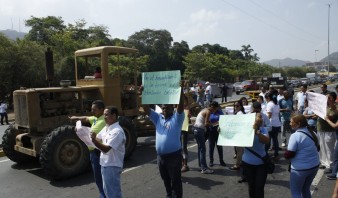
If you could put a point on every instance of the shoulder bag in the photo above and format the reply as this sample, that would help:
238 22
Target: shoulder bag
269 165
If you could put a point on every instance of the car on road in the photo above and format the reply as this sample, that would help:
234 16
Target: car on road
305 81
294 83
236 84
246 86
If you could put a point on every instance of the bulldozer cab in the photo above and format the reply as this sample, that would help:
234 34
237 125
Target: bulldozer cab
101 67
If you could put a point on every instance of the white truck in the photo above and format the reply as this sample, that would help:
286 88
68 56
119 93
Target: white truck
312 78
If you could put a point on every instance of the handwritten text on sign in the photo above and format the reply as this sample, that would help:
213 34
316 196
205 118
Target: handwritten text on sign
161 87
317 103
236 130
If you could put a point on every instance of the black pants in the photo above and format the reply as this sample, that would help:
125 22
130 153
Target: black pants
274 137
4 115
170 170
184 143
256 177
213 138
224 98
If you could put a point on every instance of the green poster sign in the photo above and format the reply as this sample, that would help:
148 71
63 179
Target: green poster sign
161 87
236 130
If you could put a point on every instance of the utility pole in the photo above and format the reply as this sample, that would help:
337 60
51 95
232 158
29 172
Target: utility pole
328 42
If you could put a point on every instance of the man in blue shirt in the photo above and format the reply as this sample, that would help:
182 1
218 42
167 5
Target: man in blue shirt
285 106
168 145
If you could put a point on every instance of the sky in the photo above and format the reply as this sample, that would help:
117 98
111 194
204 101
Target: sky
275 29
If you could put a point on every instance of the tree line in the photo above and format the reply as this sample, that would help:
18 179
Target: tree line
22 62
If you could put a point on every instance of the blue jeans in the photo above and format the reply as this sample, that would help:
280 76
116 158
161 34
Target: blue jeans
199 135
95 161
285 128
335 161
300 182
274 136
170 170
111 176
200 100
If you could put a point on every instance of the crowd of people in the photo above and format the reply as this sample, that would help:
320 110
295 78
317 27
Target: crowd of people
310 146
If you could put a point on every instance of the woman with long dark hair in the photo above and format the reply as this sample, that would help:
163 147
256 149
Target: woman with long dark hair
272 109
254 170
303 151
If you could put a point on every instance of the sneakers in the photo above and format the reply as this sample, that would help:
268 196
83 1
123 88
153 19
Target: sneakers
185 169
331 177
322 166
207 171
283 144
211 164
234 168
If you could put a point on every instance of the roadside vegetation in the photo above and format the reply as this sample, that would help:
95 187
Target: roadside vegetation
22 62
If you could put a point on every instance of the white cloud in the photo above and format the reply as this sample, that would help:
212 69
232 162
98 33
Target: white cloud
204 23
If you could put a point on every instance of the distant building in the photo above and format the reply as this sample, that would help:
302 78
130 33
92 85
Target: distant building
319 66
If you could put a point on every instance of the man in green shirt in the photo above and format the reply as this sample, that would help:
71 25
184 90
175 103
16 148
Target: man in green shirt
97 123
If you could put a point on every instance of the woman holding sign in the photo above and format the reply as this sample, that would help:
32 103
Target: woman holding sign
254 169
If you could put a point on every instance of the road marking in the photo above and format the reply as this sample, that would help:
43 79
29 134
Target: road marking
316 180
130 169
4 160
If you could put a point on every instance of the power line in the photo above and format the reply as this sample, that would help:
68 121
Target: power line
272 26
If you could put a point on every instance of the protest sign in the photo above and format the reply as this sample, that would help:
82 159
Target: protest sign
236 130
161 87
83 133
317 103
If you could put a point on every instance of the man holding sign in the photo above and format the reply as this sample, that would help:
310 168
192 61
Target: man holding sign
326 133
168 126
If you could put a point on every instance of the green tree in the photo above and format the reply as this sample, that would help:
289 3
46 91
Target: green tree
155 44
43 28
176 55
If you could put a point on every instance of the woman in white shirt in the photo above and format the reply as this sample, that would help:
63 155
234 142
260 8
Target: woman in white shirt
272 109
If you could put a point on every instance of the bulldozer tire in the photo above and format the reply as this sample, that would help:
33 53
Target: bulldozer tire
131 137
8 143
63 154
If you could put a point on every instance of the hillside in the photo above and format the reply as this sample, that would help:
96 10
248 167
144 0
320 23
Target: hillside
13 34
285 62
333 56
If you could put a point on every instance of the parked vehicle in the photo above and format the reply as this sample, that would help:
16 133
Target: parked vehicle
294 83
305 81
236 84
246 86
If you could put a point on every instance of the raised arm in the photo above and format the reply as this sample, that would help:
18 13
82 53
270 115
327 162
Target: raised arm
180 107
145 107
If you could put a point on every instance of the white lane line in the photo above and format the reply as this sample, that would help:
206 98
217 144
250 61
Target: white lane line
4 160
316 180
136 167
